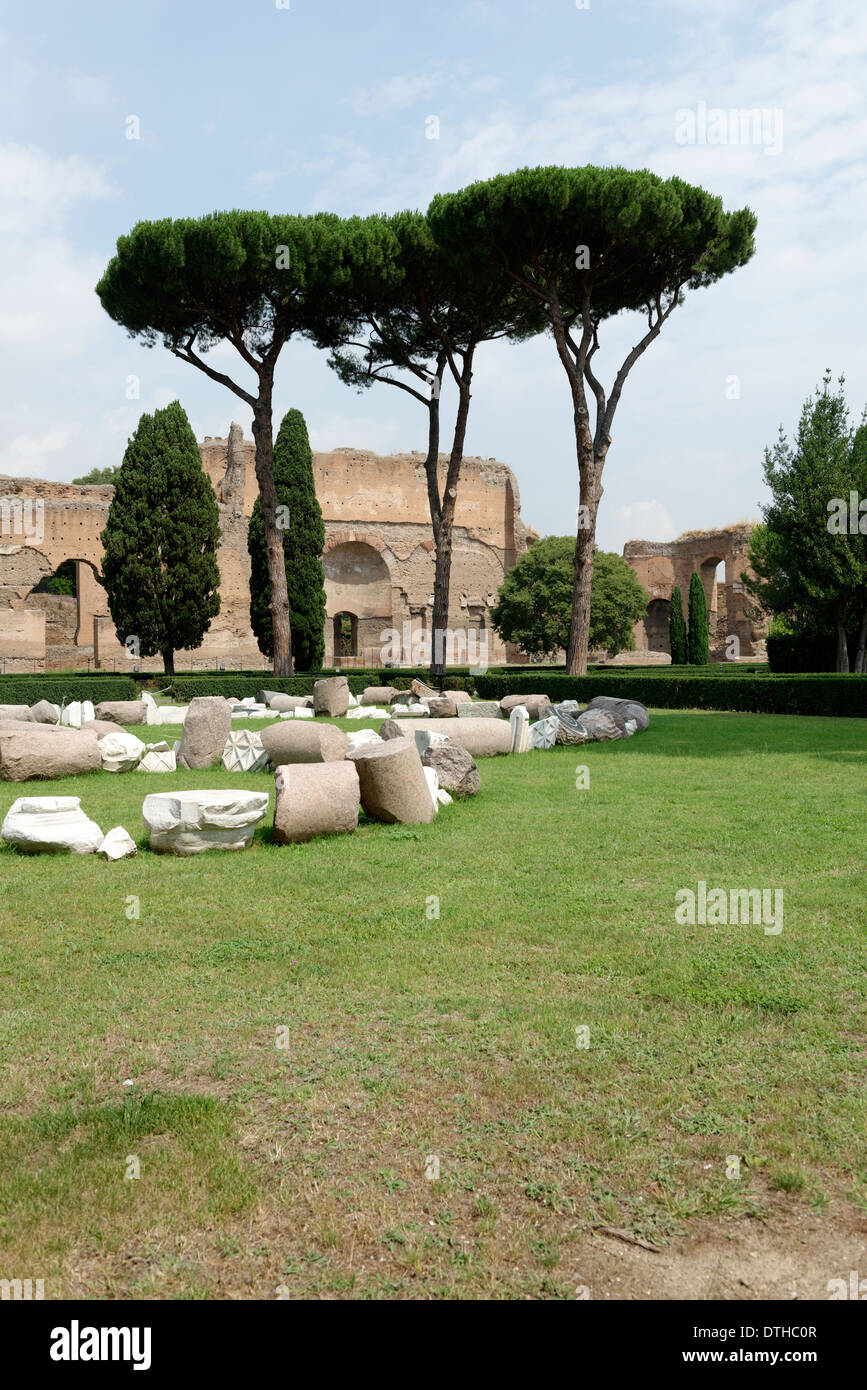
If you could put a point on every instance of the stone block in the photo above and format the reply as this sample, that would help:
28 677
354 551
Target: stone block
159 759
423 691
43 751
390 728
535 705
455 768
120 751
190 822
206 728
122 711
331 696
50 825
428 738
315 799
44 712
101 727
519 723
483 738
443 707
76 713
544 733
602 725
479 709
378 695
627 709
21 713
118 844
393 784
360 739
244 752
569 731
294 742
433 786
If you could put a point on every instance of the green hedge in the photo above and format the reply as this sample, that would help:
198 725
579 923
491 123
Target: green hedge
185 688
27 690
764 693
829 695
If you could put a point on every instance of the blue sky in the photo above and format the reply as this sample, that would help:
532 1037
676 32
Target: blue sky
325 105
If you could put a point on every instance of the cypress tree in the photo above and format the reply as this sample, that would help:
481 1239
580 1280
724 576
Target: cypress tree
677 629
160 569
300 518
698 650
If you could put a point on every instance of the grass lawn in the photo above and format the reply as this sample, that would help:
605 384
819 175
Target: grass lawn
414 1036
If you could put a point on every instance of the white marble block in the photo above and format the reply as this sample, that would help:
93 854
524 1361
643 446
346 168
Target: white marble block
244 752
360 738
519 719
120 752
49 825
189 822
433 785
118 844
544 733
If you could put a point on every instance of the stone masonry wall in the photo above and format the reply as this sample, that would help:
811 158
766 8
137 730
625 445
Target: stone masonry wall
378 558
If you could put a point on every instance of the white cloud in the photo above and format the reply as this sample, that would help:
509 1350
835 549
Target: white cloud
37 191
646 521
27 452
395 94
335 431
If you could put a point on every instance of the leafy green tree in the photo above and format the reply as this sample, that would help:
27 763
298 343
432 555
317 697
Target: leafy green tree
250 280
159 569
62 581
97 475
423 318
697 645
810 556
303 543
534 603
677 629
583 245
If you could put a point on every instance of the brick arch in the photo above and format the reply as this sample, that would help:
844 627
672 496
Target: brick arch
358 581
336 538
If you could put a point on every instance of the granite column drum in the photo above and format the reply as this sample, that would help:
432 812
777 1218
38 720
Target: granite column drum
315 799
392 782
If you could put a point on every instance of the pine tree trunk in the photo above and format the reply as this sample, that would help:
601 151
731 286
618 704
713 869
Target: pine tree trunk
842 650
264 437
168 662
582 577
590 465
861 647
443 534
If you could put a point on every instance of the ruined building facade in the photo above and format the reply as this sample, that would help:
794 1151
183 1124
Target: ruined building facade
378 561
720 557
378 564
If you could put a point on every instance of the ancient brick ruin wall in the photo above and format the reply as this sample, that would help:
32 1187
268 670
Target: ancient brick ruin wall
378 558
662 565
